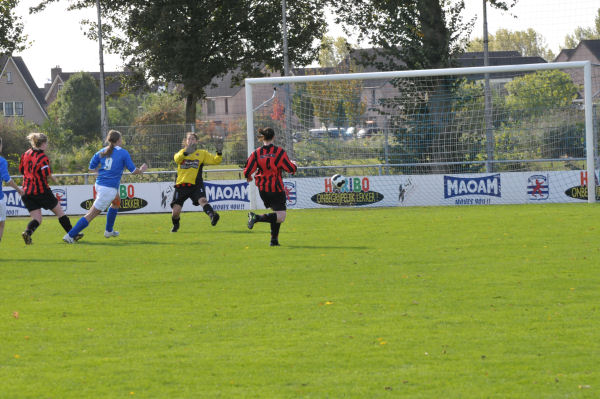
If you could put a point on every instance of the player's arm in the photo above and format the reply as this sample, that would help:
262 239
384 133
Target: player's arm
287 164
140 170
210 159
6 177
12 183
45 170
131 166
179 157
94 165
251 165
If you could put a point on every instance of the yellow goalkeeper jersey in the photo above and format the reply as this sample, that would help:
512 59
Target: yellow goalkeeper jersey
189 167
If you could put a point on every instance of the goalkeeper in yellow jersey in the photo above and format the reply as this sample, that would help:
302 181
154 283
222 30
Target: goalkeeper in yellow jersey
189 184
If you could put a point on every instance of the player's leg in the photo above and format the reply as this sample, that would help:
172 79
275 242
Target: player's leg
278 204
180 195
63 219
214 216
265 218
104 196
2 215
111 216
34 223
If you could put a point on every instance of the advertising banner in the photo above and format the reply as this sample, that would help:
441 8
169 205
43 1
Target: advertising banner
358 191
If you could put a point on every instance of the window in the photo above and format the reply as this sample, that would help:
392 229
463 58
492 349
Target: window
8 109
373 98
9 77
226 106
60 86
210 107
19 108
1 108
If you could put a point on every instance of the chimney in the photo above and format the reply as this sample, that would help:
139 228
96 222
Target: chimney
54 72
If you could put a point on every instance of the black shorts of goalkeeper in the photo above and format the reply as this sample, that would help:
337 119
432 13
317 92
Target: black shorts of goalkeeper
184 191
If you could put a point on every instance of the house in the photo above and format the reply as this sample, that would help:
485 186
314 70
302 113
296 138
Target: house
586 50
19 95
112 83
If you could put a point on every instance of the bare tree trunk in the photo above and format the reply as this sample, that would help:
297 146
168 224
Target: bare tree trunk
190 109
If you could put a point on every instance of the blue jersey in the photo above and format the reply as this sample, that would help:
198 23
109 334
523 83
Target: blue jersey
111 168
4 176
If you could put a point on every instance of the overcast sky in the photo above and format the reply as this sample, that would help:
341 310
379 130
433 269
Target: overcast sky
57 39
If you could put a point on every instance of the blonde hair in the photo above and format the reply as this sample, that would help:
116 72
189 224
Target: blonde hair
188 134
111 139
37 139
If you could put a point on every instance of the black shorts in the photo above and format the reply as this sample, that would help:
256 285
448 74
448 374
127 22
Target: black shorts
183 193
45 200
275 201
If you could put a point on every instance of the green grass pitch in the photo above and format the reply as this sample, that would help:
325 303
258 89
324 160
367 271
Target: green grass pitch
452 302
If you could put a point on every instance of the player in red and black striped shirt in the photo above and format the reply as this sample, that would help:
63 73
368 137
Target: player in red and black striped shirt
35 167
269 161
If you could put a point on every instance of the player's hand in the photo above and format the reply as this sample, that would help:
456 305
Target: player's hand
20 191
190 149
219 144
143 167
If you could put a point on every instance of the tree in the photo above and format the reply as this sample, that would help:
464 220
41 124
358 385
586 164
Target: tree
161 109
572 40
11 29
528 43
190 42
77 108
333 51
536 93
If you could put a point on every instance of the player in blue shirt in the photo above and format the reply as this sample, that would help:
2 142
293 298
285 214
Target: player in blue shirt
109 162
5 177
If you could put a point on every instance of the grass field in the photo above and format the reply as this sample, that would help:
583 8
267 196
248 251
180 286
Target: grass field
439 302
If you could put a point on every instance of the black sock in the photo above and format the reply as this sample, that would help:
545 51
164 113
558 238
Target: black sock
267 218
175 221
34 224
65 222
275 231
208 210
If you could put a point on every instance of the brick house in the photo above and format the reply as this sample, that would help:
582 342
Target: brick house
19 95
586 50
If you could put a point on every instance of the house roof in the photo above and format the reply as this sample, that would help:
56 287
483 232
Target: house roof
222 86
112 80
593 46
567 52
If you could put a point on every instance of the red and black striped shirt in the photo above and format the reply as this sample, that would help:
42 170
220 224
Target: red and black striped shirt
269 161
35 168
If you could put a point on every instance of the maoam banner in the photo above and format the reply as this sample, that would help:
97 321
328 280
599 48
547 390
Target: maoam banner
359 191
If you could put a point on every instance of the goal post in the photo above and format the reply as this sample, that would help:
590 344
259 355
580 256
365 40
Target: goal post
427 123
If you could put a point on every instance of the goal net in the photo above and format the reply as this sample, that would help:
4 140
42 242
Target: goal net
480 135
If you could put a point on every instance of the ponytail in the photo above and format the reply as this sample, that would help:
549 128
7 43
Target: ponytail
112 139
37 139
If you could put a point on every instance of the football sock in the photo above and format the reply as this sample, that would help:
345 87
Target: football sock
31 226
65 222
275 231
175 221
208 209
80 225
267 218
111 216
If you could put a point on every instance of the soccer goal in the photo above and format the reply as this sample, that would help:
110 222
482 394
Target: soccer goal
456 136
